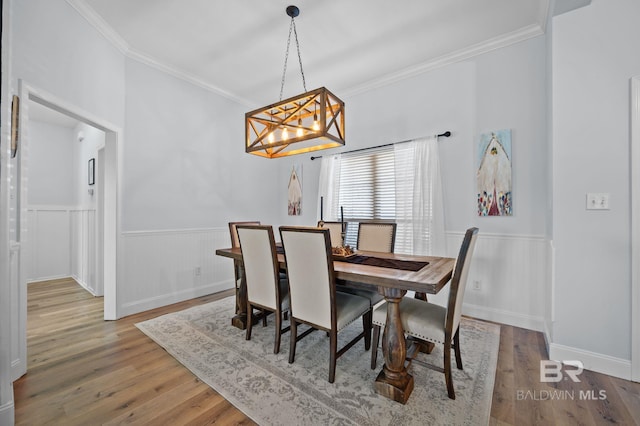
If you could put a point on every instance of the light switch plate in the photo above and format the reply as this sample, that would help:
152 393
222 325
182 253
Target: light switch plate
598 201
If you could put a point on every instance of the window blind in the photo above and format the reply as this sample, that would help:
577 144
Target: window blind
367 188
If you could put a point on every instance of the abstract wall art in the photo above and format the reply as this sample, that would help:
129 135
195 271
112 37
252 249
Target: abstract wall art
494 174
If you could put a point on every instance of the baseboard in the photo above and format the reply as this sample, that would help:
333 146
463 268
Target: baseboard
504 317
83 285
175 297
49 278
599 363
547 337
7 414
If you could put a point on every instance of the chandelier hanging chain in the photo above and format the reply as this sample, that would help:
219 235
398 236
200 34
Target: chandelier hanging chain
292 26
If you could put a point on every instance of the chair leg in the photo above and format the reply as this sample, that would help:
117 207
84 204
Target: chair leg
276 346
333 349
249 322
264 318
374 350
456 342
447 370
294 337
366 325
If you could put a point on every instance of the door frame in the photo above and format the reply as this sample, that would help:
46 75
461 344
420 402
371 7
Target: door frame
110 194
635 228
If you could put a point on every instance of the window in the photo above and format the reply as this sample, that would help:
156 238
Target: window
399 183
365 189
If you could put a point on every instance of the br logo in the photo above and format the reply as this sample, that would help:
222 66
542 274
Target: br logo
552 371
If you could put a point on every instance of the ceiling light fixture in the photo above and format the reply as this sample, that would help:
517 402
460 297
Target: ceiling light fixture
311 121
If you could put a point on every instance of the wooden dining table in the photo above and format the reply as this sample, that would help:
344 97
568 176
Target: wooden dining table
393 381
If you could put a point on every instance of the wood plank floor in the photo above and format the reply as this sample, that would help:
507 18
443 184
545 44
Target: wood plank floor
84 371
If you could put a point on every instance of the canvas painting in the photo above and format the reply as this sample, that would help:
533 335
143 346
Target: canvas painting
295 191
494 174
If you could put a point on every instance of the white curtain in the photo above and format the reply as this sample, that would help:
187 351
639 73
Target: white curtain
419 200
329 187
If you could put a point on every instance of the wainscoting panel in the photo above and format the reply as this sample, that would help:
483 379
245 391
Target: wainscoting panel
48 248
83 248
508 280
61 243
164 267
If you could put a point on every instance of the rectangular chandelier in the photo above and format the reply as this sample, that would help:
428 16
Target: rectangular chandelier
304 123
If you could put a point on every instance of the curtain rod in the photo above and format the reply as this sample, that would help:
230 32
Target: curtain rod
445 134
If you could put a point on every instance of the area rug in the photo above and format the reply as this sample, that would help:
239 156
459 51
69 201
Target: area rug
271 391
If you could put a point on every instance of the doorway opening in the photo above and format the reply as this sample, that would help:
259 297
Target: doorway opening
64 203
106 164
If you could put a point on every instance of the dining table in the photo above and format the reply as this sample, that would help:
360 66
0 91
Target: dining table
392 275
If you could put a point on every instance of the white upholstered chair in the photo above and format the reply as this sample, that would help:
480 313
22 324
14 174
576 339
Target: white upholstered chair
312 289
237 266
266 290
372 236
335 230
434 323
376 236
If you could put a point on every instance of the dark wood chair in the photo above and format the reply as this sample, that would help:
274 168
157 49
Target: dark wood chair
314 300
434 323
266 289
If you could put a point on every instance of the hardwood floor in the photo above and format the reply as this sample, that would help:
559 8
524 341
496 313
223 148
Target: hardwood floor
83 370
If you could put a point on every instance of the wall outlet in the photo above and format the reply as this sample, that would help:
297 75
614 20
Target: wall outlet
598 201
196 271
476 285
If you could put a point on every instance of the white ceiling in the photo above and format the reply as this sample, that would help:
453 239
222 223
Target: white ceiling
237 48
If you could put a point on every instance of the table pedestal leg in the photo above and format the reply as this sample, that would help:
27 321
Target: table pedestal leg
394 381
240 319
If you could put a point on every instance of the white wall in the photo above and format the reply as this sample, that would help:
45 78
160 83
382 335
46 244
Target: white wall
501 89
505 88
53 171
84 151
184 163
61 211
186 176
54 49
594 57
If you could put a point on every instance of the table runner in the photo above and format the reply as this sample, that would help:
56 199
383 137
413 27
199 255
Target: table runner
405 265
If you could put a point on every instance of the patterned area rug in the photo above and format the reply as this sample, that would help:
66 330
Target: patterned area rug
271 391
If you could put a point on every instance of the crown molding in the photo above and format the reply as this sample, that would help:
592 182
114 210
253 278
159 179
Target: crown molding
544 14
100 25
152 62
95 20
458 56
489 45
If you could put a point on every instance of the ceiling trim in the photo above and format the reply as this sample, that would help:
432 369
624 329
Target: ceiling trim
100 25
154 63
489 45
95 20
460 55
